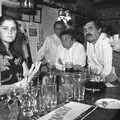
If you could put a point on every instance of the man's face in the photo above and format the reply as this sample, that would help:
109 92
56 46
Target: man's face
58 29
91 33
67 41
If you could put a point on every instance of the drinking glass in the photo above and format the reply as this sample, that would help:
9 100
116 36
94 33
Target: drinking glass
79 86
81 92
66 87
51 96
49 93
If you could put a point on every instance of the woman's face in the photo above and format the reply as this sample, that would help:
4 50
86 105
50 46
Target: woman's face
8 31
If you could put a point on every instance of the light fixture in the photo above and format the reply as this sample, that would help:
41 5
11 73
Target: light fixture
27 4
61 12
64 15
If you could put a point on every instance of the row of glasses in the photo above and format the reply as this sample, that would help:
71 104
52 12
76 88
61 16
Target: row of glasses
72 86
40 98
44 97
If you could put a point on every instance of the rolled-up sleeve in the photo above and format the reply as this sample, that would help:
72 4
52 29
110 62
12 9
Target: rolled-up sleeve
42 50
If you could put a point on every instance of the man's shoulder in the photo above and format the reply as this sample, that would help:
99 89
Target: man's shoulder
50 36
77 44
105 41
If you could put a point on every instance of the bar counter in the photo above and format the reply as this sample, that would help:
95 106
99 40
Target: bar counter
90 98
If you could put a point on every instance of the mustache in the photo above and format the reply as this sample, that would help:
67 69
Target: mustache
89 34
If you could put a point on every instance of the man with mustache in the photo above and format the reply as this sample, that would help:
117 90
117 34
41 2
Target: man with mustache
99 51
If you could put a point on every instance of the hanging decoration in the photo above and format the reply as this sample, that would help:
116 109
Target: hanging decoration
64 15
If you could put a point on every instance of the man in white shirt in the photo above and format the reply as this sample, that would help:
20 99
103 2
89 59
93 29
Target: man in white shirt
49 48
70 52
99 51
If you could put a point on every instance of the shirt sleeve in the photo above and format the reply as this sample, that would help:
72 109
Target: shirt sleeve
57 63
80 56
107 50
42 50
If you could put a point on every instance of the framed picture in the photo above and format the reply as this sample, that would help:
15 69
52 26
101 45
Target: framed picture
32 32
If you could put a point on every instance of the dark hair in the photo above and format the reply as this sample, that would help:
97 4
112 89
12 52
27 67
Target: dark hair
68 32
110 30
59 22
95 20
3 18
18 43
17 52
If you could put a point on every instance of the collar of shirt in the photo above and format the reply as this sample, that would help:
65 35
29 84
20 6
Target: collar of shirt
101 37
55 39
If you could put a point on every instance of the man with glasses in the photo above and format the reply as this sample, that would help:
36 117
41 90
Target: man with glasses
49 48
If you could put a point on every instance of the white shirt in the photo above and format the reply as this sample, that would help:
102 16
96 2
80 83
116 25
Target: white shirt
100 55
75 55
49 49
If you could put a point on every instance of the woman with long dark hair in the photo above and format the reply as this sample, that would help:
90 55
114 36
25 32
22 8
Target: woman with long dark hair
11 53
13 68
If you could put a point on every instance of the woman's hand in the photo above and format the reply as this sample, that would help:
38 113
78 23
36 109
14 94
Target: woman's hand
32 73
22 84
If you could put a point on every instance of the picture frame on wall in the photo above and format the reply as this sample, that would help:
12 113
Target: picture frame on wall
32 32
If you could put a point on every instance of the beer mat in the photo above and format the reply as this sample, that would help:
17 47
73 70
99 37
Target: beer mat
69 111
